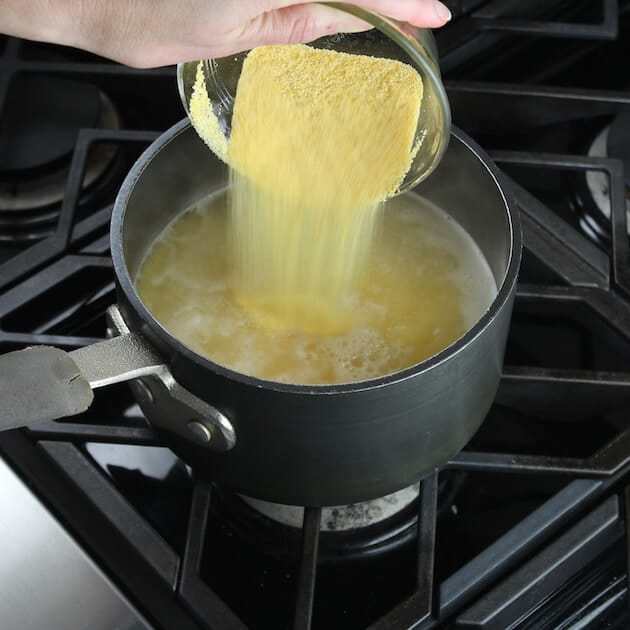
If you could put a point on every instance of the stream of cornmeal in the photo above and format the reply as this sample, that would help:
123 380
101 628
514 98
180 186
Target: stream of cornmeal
428 284
319 139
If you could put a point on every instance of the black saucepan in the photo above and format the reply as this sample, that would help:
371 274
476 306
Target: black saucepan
303 445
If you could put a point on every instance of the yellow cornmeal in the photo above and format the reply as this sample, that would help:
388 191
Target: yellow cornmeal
430 283
319 139
203 118
324 128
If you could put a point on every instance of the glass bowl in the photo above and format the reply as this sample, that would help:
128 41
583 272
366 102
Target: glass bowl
390 39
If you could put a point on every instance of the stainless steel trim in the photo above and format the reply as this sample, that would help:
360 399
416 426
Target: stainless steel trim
47 580
161 398
117 360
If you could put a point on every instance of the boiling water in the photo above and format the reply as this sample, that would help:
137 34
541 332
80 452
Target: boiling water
427 284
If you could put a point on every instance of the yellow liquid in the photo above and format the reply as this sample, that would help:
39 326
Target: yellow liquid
426 285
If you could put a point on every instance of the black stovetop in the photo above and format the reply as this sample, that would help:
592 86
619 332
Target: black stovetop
525 528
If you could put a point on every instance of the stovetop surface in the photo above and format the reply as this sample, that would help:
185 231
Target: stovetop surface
525 528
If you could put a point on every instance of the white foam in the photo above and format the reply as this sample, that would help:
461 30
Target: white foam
195 302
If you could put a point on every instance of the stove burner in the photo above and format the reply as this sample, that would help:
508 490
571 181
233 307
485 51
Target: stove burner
595 219
340 518
38 132
234 524
40 123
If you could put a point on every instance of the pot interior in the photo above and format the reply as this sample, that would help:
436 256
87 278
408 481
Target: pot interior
178 170
182 170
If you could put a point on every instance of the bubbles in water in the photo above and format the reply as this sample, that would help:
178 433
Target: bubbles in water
427 285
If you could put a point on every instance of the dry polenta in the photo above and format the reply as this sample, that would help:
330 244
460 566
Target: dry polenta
324 128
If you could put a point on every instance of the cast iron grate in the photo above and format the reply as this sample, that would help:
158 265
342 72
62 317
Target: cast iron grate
55 292
134 111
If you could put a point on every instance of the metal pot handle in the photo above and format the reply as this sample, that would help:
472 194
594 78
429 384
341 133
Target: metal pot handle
43 383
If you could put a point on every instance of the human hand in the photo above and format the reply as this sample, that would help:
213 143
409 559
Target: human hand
150 33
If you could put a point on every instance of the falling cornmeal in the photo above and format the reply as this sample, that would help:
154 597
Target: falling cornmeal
319 139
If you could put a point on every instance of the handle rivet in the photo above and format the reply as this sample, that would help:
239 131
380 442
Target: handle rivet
200 432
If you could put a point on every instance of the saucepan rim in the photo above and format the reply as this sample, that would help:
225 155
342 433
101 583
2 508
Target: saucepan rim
127 286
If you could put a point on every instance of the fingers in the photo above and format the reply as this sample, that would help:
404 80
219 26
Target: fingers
297 24
426 13
163 33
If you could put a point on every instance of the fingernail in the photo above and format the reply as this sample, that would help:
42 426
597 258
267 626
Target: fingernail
442 12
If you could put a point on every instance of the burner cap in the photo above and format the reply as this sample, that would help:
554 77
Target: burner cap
42 116
619 142
343 517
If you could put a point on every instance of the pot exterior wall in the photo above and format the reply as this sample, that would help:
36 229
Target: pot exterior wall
337 448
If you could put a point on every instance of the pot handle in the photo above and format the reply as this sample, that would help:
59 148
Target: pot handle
38 384
43 383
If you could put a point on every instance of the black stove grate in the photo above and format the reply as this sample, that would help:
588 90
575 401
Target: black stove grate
560 561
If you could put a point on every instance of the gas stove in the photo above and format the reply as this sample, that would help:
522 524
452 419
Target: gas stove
103 527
